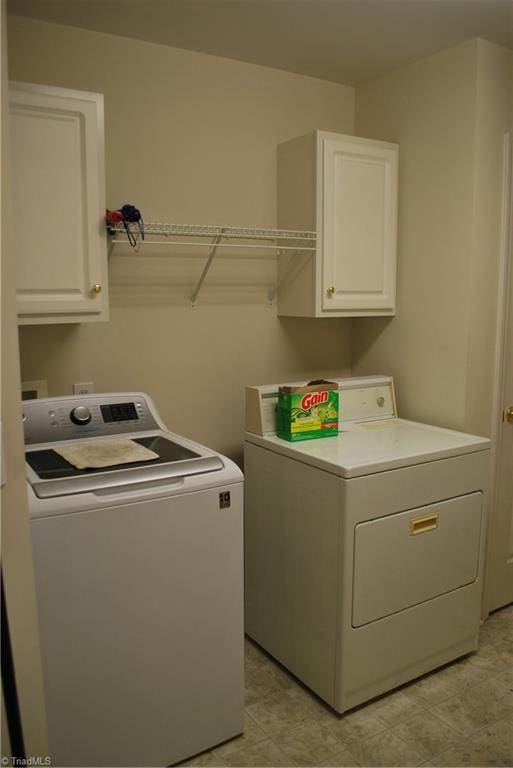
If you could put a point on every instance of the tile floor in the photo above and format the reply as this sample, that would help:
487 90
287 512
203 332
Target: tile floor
460 715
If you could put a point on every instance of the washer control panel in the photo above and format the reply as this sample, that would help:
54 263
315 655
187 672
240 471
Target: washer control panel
67 418
80 415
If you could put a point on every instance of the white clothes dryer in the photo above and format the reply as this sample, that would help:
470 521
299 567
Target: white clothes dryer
364 552
138 571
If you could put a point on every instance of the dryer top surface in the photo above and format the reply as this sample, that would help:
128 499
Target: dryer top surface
375 446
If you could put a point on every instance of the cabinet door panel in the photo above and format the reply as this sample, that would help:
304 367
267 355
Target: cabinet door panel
58 203
359 226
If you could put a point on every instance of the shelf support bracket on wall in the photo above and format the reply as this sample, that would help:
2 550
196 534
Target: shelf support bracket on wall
208 263
300 258
274 289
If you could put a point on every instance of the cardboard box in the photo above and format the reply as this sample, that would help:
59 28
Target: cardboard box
308 411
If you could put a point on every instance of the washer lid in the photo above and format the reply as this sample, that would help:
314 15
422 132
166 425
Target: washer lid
51 475
375 446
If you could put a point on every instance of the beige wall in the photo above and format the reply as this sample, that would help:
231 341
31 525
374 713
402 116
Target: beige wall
494 116
448 112
190 138
428 107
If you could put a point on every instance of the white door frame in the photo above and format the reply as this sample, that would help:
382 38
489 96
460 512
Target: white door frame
504 298
23 697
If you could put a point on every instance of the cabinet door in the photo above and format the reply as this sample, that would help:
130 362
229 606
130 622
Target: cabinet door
359 226
58 203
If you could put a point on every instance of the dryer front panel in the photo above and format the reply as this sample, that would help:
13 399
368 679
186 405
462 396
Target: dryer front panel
407 558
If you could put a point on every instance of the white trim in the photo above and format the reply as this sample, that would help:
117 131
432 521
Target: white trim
54 90
503 298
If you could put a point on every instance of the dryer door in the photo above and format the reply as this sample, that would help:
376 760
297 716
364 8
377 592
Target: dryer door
407 558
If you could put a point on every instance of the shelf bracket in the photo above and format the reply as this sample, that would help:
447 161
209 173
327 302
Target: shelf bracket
297 262
110 246
208 263
271 295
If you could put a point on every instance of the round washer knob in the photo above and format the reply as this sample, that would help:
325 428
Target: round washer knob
80 415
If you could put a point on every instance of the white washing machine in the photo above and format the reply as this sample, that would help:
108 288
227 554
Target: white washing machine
139 583
364 552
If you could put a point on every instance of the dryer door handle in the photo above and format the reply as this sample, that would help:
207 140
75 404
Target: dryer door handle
423 523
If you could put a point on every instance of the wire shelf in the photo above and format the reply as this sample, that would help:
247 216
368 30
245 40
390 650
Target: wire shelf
279 240
157 228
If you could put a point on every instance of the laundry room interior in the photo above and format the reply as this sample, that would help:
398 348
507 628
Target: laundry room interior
204 106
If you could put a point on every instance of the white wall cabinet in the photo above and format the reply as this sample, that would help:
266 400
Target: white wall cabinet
345 188
58 204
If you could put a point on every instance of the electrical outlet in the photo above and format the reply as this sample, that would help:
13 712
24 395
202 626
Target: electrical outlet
83 388
32 389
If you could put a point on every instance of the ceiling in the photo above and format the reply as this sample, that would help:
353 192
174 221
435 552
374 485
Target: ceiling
346 41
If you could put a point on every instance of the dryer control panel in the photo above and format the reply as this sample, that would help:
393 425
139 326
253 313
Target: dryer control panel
54 419
361 399
367 400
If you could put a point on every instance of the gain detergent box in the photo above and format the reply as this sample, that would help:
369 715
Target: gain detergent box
309 411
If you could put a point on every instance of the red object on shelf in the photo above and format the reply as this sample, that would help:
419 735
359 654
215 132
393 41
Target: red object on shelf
113 217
